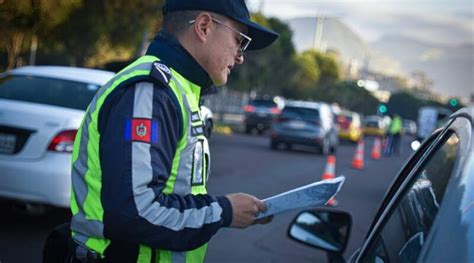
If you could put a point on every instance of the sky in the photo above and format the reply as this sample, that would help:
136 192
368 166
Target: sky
447 22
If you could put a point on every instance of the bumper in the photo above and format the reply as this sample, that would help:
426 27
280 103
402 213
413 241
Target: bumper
309 140
44 181
350 135
374 132
253 121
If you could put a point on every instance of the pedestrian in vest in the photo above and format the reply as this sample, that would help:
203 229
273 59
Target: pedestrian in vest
141 162
394 131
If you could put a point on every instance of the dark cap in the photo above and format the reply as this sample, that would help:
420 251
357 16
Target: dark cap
235 9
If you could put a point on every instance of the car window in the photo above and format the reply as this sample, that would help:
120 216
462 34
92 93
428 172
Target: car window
56 92
263 103
306 114
402 237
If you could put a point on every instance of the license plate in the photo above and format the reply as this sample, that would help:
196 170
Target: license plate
7 143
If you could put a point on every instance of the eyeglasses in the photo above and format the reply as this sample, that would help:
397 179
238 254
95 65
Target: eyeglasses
244 41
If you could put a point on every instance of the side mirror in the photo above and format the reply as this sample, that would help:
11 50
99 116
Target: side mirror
322 228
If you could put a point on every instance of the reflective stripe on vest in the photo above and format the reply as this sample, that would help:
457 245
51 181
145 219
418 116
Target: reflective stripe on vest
189 171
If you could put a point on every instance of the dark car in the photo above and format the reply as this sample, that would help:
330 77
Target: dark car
305 123
259 114
427 214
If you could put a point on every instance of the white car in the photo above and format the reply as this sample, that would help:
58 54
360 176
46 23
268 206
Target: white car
41 108
208 122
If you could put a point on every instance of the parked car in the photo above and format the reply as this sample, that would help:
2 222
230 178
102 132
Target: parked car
427 214
306 123
208 121
350 126
41 109
374 126
409 127
259 115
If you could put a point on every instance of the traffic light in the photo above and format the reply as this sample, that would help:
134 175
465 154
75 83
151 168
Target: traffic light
453 102
382 108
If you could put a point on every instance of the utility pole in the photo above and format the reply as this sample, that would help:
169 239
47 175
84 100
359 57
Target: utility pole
318 34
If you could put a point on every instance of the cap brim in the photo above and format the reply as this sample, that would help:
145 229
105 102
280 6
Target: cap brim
261 37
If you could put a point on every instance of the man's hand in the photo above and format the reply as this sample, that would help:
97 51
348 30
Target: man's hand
245 209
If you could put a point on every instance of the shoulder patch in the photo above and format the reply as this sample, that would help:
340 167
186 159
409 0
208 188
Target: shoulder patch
160 72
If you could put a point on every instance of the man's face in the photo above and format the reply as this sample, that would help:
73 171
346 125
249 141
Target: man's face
223 50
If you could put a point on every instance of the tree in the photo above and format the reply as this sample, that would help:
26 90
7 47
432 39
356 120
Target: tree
25 19
267 71
349 95
97 31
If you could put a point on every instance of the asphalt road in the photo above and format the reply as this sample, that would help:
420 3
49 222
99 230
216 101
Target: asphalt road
244 163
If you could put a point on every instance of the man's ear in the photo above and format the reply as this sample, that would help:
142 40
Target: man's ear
202 26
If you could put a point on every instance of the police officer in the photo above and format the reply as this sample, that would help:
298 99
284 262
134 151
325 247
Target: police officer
141 162
395 130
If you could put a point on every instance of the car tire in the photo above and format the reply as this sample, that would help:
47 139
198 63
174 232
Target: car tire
273 145
209 129
248 129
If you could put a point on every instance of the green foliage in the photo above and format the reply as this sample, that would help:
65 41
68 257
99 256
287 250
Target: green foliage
112 23
349 95
72 32
20 20
267 71
407 105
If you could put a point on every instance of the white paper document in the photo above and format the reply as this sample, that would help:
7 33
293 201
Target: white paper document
310 195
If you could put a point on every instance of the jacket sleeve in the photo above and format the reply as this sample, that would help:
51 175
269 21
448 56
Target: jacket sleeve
140 126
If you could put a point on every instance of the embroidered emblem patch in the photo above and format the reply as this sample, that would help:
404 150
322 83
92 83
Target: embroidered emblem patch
160 72
195 116
162 67
141 130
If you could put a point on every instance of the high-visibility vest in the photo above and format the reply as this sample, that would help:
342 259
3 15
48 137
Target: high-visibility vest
189 171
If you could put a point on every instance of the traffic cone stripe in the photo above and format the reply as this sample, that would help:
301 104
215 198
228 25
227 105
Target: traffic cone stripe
330 170
376 149
358 161
330 173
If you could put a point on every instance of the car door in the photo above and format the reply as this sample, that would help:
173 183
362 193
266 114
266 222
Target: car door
403 224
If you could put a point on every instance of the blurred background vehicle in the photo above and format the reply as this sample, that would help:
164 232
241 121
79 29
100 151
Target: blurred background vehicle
374 126
409 127
207 117
41 109
435 189
350 126
430 118
305 123
259 115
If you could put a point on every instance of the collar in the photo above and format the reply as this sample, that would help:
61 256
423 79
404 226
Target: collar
166 47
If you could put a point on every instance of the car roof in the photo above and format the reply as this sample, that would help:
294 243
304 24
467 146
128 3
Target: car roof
304 104
93 76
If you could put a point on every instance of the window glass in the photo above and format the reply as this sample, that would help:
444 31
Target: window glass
263 103
48 91
404 233
306 114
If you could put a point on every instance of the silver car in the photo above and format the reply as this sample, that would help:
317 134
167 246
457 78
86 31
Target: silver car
41 109
305 123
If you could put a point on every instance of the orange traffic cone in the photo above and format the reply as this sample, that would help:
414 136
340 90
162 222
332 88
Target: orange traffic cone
358 161
376 149
330 173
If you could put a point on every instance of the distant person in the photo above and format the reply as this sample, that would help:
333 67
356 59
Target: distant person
141 160
394 133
